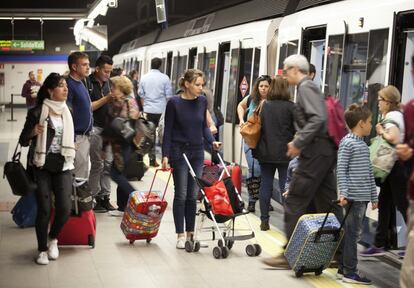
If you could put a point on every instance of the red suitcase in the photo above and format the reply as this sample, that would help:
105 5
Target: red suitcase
144 211
80 229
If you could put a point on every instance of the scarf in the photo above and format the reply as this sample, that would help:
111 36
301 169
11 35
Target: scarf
68 143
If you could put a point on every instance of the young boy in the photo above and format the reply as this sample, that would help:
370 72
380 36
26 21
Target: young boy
356 183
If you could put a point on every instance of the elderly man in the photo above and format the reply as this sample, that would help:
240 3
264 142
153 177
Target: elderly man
314 178
30 89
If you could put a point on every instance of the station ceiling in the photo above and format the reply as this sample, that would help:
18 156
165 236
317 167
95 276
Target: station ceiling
131 19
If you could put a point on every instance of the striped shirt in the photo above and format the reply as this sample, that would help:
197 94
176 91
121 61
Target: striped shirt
354 171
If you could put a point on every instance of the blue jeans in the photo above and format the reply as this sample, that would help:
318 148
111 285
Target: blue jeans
253 166
266 189
353 231
185 189
124 188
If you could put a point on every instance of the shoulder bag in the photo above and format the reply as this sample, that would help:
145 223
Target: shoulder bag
123 127
382 154
251 129
20 181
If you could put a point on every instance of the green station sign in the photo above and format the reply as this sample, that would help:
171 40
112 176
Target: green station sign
22 45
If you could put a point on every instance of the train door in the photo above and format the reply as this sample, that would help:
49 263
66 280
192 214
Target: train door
222 81
192 58
313 47
403 47
169 63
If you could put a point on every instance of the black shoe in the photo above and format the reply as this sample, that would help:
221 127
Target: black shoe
154 163
251 208
271 208
107 205
264 226
99 207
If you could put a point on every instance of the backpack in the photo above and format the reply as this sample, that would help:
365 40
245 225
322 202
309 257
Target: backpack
336 121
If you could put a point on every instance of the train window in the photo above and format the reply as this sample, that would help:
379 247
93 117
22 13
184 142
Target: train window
192 55
209 68
162 68
246 64
287 49
353 86
376 68
256 64
334 65
174 73
233 83
169 64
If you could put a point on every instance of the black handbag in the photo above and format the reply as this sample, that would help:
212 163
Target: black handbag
144 138
253 185
54 162
123 127
135 168
20 181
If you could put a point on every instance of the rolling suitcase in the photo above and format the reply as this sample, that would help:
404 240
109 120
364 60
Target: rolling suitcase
80 229
314 242
25 211
143 213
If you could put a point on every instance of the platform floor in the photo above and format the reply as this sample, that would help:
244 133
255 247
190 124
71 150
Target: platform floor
116 263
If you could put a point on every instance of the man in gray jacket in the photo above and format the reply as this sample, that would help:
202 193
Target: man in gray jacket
314 177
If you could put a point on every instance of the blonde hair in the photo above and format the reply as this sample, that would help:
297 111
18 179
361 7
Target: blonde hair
190 76
391 95
123 84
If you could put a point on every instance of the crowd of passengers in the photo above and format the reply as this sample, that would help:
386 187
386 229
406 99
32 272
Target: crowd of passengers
70 124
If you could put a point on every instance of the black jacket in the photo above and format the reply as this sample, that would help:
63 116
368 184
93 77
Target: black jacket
26 138
277 117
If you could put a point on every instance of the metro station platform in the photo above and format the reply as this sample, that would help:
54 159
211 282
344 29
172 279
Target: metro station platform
115 263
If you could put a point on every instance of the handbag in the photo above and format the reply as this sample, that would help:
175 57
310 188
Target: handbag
251 129
20 181
135 167
25 211
382 155
54 162
123 127
145 135
219 199
253 185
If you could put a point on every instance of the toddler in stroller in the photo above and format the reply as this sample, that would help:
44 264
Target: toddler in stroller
222 205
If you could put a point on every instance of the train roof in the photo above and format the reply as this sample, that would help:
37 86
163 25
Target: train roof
232 16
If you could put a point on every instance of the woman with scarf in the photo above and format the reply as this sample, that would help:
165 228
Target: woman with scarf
49 132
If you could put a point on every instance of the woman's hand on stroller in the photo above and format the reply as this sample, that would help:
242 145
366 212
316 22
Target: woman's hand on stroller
216 145
164 164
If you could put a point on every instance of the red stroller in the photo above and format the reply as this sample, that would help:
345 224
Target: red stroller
222 204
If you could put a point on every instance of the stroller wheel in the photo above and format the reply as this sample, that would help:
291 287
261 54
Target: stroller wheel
197 246
224 252
220 243
189 246
251 250
217 252
258 249
229 244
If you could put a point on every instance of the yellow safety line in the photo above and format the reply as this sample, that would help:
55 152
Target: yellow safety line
272 242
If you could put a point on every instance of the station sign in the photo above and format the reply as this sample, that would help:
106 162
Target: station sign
10 45
244 86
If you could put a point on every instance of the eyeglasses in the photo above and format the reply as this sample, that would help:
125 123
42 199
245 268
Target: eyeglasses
382 99
284 72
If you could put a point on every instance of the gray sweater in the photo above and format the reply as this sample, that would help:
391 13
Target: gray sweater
310 114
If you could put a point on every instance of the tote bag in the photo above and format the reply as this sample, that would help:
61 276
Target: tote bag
251 129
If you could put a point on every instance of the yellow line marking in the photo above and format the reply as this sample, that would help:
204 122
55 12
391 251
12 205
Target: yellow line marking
272 242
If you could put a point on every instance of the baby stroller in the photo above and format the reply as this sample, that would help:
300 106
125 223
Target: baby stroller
222 205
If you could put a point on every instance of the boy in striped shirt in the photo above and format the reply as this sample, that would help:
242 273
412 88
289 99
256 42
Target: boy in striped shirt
356 183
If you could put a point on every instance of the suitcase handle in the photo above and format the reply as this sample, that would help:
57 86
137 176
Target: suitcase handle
166 185
336 232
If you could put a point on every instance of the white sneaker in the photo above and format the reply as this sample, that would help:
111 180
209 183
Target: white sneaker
116 213
53 250
42 259
180 243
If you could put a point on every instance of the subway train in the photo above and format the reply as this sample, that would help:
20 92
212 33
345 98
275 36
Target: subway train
356 46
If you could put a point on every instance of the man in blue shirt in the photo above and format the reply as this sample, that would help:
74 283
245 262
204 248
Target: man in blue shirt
154 90
80 103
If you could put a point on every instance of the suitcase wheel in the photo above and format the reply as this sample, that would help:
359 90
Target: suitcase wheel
131 242
251 250
299 273
91 240
149 240
319 272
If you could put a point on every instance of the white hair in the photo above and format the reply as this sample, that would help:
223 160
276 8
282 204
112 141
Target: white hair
299 61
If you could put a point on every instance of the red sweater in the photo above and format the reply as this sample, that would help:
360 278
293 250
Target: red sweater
409 139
